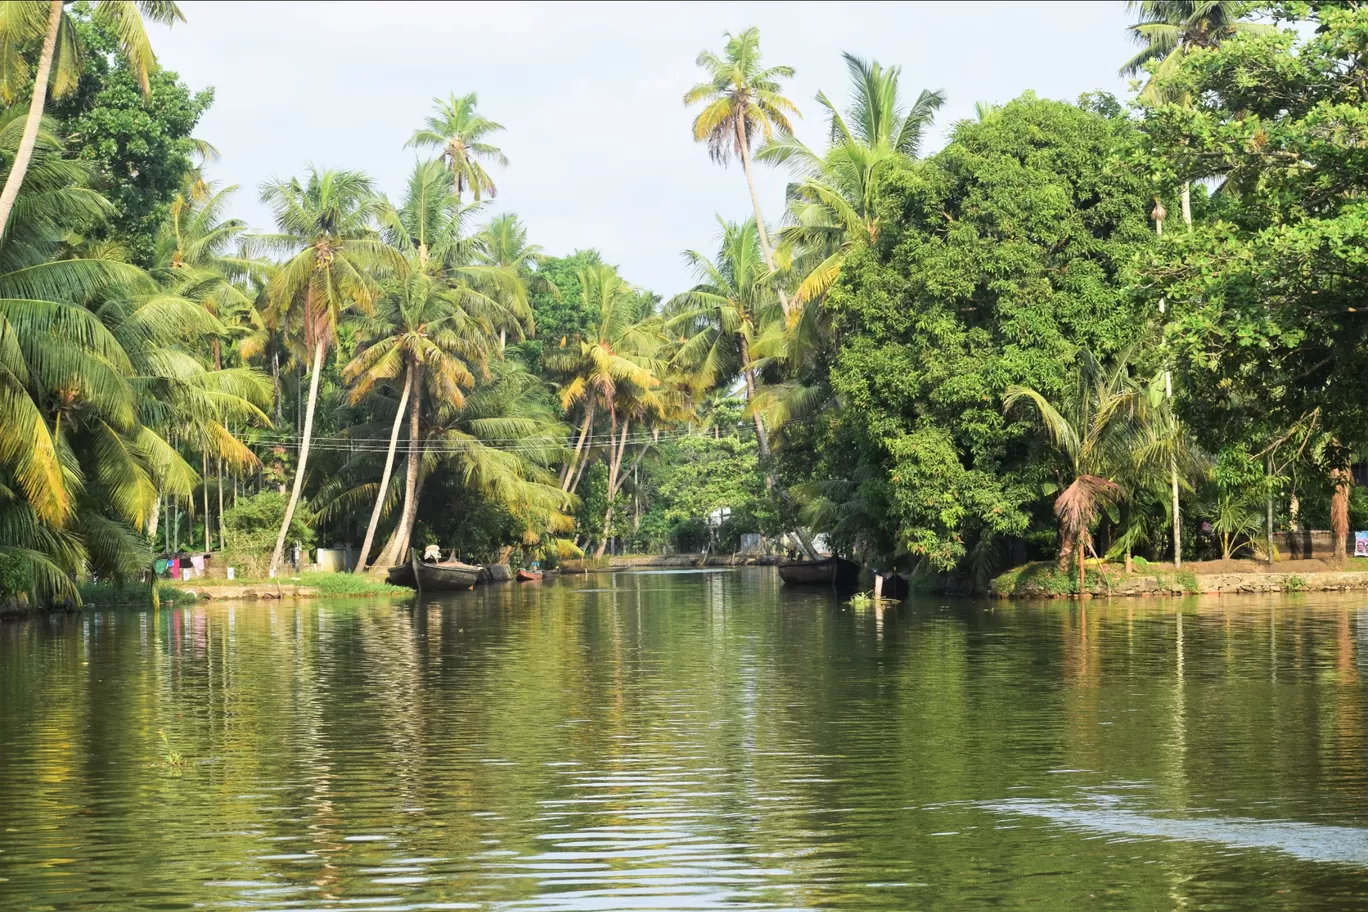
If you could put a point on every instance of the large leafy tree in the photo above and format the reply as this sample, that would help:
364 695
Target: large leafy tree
460 131
328 229
1263 292
741 98
60 60
995 260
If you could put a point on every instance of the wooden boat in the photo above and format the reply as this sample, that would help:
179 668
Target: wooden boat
445 576
401 575
442 577
529 576
833 571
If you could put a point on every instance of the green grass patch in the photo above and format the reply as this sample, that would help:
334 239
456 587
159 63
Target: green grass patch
130 595
1296 584
328 584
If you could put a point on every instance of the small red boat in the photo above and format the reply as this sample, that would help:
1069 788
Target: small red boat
529 576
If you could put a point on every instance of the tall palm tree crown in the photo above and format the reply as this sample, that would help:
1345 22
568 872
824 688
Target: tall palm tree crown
1169 29
459 131
740 97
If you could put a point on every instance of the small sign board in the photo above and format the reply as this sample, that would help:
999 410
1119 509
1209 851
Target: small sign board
1361 544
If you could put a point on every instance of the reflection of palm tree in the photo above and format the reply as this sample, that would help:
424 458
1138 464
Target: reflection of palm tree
1089 428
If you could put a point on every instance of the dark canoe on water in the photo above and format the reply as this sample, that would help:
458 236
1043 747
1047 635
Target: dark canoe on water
834 571
446 576
528 576
441 577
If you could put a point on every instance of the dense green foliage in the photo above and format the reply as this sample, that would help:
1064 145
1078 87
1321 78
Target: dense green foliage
1004 351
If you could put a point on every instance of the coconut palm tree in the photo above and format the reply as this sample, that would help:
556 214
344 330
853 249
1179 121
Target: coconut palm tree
723 314
429 228
459 131
423 334
1091 430
834 201
1168 31
328 229
617 351
741 98
59 62
503 243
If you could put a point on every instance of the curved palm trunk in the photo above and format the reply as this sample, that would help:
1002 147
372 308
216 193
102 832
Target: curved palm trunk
29 139
615 477
765 249
306 439
404 534
570 478
385 476
1177 515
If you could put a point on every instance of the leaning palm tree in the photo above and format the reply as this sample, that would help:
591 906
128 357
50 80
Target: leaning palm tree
459 131
617 351
328 229
59 62
423 334
1090 429
1168 31
834 201
741 98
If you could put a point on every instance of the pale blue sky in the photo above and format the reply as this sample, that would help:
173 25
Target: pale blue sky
590 94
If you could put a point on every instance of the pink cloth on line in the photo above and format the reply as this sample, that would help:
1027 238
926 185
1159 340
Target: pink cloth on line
175 567
197 561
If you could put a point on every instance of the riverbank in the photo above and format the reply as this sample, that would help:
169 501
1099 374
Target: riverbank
1044 580
663 562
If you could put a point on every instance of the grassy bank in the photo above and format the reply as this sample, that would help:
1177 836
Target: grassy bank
325 585
130 595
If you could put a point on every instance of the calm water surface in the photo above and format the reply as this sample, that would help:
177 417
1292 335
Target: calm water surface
687 741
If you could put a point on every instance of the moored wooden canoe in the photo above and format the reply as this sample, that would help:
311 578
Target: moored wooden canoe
528 576
833 571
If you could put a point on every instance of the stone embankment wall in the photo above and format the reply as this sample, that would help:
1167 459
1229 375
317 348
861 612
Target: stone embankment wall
1138 585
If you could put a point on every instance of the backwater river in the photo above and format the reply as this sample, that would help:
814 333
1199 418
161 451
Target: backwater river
697 740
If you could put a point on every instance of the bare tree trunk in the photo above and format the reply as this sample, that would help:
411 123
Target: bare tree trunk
1268 505
204 473
34 120
1082 549
765 248
154 521
1177 517
1187 204
569 475
275 385
1343 480
223 543
1066 548
385 475
404 534
615 455
305 440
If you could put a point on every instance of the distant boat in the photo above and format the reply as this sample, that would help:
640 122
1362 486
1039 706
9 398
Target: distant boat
443 577
529 576
833 571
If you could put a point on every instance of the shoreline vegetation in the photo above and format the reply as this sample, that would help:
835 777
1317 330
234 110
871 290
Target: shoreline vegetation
1081 335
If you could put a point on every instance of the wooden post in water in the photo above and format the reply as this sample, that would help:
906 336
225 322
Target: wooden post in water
413 562
878 586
